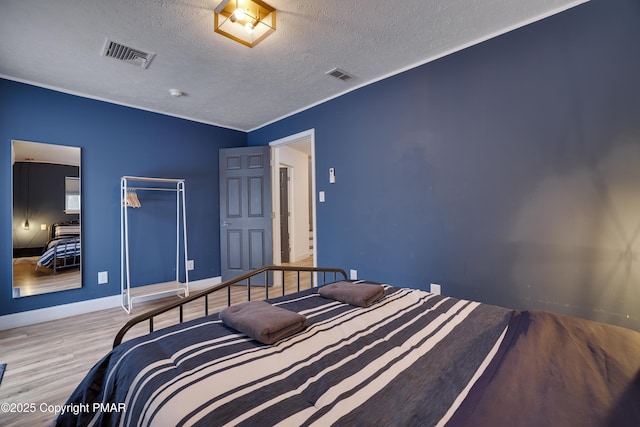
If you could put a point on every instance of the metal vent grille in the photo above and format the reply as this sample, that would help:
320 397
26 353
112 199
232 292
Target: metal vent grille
128 54
340 74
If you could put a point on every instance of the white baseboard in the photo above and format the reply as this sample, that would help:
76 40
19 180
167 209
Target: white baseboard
31 317
25 318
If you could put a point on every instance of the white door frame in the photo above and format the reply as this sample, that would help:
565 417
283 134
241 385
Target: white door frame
275 165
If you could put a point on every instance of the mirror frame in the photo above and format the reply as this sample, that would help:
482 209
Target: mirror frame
50 279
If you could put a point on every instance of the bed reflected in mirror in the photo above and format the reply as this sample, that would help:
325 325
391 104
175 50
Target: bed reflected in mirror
46 218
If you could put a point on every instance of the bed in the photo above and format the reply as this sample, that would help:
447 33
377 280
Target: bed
65 229
410 358
63 249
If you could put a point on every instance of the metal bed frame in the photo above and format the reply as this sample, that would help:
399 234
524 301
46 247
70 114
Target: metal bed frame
71 256
70 242
266 270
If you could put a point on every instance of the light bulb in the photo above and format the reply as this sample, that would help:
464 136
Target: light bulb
239 14
248 27
26 225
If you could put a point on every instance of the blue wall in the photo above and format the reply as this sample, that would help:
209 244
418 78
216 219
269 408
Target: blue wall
508 172
39 195
115 141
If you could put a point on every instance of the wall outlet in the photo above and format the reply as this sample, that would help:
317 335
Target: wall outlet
321 196
190 265
103 277
435 288
353 274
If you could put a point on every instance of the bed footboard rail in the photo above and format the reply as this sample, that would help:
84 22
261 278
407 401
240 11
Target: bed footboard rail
317 275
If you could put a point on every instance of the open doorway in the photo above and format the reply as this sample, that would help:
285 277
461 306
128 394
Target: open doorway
293 160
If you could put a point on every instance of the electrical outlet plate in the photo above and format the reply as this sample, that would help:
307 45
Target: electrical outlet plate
103 277
190 265
435 289
353 274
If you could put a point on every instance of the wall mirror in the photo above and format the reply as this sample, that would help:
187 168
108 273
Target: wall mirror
46 218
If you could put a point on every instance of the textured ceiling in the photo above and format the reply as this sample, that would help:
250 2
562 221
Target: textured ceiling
57 44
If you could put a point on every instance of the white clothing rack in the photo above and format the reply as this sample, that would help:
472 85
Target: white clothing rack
129 294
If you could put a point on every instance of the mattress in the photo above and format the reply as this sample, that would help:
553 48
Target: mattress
413 358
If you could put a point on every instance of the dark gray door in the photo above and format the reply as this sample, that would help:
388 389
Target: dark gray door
284 215
245 210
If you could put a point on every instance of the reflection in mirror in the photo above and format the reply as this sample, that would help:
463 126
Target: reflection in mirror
46 218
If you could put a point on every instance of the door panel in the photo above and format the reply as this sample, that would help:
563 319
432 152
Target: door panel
256 196
245 210
234 252
234 197
256 249
233 162
284 215
256 161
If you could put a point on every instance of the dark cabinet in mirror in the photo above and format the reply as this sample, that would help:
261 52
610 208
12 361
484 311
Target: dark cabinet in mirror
46 218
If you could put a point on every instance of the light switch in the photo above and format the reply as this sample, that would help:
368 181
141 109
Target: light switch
321 196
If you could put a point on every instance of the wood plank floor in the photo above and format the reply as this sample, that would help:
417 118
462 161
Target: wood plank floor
46 361
29 280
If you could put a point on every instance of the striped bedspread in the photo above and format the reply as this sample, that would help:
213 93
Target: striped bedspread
70 229
59 249
409 359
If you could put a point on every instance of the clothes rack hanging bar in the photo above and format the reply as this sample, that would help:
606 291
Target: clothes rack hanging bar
152 189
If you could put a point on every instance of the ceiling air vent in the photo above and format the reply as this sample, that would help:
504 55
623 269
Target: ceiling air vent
126 54
340 74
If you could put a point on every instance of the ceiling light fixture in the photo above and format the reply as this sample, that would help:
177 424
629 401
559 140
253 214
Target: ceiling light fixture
245 21
238 14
